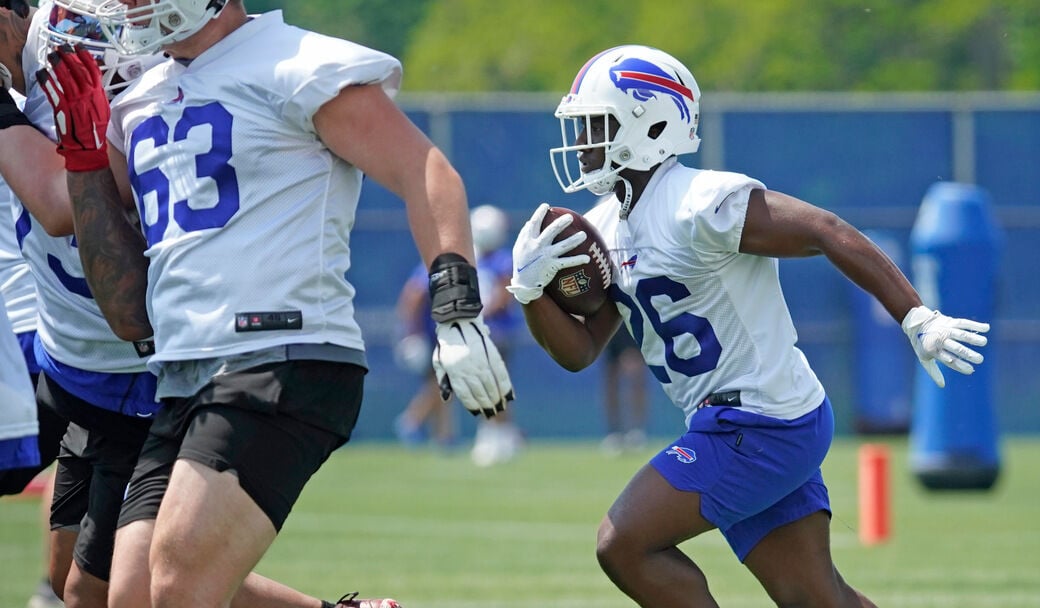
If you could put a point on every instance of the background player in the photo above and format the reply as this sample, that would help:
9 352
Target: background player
705 305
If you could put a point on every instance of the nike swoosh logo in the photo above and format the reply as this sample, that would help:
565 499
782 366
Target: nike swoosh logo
719 206
521 269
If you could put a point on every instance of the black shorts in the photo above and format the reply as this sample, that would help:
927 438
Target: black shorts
52 428
94 469
272 425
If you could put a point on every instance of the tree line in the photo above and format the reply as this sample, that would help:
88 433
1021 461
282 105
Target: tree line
747 46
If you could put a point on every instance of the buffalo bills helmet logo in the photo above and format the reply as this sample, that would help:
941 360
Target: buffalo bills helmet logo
645 80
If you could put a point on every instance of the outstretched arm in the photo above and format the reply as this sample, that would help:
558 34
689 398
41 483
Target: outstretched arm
779 225
364 127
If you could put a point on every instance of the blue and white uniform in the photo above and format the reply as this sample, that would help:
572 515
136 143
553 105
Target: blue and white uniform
75 345
236 121
18 426
710 320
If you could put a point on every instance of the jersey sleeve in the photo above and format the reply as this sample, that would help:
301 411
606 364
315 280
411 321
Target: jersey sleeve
325 66
719 209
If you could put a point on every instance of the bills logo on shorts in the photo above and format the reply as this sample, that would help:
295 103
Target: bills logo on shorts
683 455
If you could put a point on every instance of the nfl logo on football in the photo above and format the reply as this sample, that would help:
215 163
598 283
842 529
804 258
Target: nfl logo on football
574 284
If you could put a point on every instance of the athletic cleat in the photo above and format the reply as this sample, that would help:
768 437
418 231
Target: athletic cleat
350 601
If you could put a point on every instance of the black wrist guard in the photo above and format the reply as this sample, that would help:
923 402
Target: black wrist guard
10 115
454 293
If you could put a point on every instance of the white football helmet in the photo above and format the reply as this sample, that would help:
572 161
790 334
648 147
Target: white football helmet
640 87
489 225
147 28
75 22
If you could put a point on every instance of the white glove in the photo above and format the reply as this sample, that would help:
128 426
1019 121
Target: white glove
467 363
536 259
935 336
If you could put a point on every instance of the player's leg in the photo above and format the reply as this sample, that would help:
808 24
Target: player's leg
241 468
113 454
815 581
69 502
59 557
205 512
131 579
633 370
637 543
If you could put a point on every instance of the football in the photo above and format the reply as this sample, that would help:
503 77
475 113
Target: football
580 290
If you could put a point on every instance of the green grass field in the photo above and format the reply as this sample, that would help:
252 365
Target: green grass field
434 531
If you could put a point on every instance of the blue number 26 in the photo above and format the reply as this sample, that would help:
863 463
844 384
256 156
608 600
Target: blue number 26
213 164
682 324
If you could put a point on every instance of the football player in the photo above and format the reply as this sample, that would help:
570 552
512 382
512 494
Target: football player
18 425
94 377
700 294
88 375
242 158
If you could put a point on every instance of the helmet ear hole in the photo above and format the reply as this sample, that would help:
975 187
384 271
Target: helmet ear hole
656 129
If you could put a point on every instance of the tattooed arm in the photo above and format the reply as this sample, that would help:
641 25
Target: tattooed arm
111 247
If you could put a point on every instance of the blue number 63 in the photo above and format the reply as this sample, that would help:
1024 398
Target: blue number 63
213 164
679 325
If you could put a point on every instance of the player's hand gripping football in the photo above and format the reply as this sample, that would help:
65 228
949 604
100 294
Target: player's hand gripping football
466 361
936 337
81 113
536 259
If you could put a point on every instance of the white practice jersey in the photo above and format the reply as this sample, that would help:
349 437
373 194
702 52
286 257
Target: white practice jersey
17 285
707 318
70 325
17 401
246 212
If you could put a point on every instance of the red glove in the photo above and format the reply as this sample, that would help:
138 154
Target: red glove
81 112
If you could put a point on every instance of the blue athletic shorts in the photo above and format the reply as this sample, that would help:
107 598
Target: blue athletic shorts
754 473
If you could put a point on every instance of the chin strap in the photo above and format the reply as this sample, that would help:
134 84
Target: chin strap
626 205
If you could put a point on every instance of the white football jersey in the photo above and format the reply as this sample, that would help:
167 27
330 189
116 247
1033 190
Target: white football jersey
707 318
246 212
16 280
70 324
17 402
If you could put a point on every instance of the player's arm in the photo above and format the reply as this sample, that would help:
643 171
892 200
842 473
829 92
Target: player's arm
782 226
363 126
573 342
779 225
111 247
33 169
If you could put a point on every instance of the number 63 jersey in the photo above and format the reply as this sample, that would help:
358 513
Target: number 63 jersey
247 214
707 318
